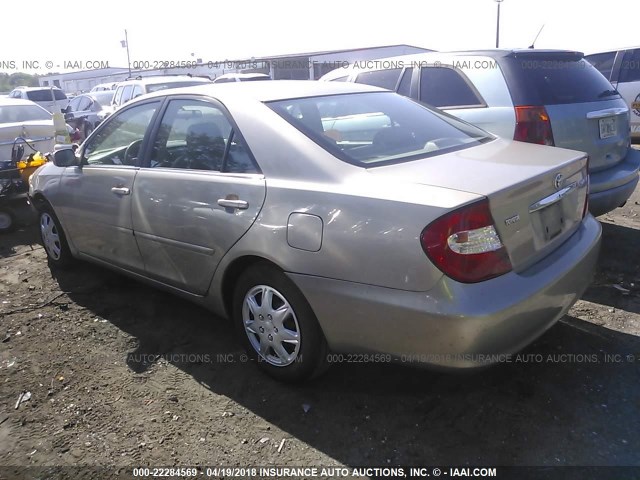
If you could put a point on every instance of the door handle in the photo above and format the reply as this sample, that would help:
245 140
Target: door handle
228 203
121 190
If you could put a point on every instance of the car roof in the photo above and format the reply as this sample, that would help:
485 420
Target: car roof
30 89
270 91
164 79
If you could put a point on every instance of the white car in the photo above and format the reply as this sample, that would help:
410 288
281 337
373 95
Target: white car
622 69
241 77
47 97
133 88
25 119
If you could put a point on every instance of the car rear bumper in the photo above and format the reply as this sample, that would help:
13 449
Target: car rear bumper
608 189
456 325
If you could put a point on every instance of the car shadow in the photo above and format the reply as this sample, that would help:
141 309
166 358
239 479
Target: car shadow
24 238
571 398
617 279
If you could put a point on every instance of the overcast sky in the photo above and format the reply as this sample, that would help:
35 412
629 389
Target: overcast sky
190 29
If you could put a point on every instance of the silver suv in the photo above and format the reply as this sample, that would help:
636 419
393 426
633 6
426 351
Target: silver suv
46 97
550 97
133 88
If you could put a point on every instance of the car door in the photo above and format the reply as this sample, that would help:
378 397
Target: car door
95 197
199 192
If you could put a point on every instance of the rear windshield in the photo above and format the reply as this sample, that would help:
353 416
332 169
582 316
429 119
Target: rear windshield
45 95
164 86
23 113
540 80
372 129
103 97
255 79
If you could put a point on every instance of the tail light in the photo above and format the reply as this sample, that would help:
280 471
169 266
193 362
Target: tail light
586 199
465 245
533 126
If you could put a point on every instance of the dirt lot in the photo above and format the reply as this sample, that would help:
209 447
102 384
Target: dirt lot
124 375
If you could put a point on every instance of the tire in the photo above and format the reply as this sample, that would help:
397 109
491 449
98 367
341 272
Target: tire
282 336
7 220
53 239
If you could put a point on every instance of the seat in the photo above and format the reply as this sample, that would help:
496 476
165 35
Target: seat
204 148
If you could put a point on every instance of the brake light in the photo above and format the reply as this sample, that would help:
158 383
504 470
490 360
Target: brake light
533 126
586 198
465 245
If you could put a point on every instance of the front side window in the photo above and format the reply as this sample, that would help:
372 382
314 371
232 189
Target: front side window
119 141
197 135
371 129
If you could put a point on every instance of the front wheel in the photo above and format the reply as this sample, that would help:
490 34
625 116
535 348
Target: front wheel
277 326
54 240
7 220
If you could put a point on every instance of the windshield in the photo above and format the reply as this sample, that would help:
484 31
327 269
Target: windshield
371 129
103 97
23 113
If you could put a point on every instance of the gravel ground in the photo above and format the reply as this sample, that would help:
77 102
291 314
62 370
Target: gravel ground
122 375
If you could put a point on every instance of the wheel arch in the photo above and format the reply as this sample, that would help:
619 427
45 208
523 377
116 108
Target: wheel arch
232 273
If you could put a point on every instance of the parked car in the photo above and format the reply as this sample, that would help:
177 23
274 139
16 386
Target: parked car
30 128
551 97
133 88
48 98
23 118
622 69
86 111
101 87
329 216
241 77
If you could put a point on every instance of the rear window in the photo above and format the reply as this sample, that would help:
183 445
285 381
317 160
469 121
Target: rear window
387 78
372 129
164 86
553 80
45 95
23 113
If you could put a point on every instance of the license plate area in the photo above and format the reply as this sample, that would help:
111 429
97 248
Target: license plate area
552 220
608 127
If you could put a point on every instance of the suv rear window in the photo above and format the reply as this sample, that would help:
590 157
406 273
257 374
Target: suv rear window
554 79
45 95
372 129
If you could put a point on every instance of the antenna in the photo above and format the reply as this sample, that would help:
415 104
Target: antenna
535 39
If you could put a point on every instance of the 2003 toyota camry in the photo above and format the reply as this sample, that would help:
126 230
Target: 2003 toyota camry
329 217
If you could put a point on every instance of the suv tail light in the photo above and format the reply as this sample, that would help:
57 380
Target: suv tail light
465 245
533 125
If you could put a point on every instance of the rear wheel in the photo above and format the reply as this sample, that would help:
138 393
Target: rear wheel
277 326
54 240
7 220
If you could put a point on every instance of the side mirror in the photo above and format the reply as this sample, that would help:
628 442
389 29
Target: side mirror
65 157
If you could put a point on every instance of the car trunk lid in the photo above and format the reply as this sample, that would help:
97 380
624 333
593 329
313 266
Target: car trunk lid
536 194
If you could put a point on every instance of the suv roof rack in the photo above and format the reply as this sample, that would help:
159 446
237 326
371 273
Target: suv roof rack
140 77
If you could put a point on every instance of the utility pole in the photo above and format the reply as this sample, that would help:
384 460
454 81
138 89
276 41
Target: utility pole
125 43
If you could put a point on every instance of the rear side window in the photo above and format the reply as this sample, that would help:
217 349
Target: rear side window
603 62
387 78
445 87
630 68
555 80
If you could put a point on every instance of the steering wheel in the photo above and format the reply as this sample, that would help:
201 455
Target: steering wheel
135 143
